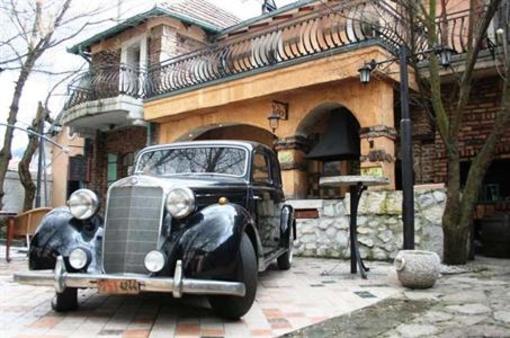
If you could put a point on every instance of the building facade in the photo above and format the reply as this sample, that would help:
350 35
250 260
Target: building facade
288 78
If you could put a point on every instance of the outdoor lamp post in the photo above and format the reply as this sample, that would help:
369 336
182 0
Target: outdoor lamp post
444 54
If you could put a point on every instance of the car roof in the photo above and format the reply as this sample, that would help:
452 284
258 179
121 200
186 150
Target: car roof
250 145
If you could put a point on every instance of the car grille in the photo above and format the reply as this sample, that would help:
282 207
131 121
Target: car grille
132 226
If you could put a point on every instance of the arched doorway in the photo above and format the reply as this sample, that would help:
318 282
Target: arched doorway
332 134
231 132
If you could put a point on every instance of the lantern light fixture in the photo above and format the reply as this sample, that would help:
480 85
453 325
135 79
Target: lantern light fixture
445 55
279 111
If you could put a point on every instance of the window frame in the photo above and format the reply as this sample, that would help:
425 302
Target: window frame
270 181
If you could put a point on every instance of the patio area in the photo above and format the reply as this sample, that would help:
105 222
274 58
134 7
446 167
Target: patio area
314 290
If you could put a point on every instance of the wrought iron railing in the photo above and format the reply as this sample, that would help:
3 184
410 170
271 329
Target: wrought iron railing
453 30
106 82
318 33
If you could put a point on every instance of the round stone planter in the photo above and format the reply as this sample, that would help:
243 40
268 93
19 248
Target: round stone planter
417 269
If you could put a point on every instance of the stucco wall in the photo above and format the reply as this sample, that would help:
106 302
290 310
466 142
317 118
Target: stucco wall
60 164
379 225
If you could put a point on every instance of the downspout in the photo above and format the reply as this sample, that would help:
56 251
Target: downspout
149 133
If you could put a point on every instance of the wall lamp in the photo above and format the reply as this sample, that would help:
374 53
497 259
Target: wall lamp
444 53
279 111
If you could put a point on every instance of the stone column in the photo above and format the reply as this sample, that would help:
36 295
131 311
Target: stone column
291 154
378 152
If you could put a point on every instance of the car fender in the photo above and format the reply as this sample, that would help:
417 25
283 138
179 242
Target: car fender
59 233
210 245
287 222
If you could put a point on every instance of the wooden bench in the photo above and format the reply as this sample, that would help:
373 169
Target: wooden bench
23 226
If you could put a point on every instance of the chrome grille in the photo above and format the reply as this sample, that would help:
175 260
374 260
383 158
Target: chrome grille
132 227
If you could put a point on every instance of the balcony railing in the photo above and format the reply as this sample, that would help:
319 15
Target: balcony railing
106 82
327 31
318 34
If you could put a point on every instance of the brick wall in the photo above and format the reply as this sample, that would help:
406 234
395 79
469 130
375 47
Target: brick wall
166 42
120 142
429 150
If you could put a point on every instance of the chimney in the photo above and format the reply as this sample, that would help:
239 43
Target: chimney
268 6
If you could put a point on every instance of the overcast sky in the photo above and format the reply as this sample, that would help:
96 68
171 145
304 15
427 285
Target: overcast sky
38 85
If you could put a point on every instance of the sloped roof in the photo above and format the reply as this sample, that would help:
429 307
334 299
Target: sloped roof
202 10
196 12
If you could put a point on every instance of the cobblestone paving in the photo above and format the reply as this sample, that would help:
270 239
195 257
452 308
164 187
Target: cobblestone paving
286 301
470 303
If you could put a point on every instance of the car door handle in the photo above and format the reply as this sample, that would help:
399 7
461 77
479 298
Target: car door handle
257 198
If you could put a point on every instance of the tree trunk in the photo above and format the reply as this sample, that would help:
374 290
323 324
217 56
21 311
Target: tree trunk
455 238
24 164
5 153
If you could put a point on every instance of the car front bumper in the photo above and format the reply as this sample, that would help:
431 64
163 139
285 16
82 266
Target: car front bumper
61 279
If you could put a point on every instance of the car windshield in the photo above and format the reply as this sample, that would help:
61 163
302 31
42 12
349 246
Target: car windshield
193 160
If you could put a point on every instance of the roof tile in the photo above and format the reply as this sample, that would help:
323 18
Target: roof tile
201 10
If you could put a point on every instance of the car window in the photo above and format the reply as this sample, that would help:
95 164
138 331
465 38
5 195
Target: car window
194 160
260 170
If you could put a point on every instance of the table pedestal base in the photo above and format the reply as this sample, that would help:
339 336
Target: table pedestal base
356 262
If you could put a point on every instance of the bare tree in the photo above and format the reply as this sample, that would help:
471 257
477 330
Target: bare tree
24 164
31 29
449 108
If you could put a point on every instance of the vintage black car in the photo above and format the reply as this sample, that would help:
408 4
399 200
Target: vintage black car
194 218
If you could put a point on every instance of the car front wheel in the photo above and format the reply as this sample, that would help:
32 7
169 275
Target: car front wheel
65 301
233 307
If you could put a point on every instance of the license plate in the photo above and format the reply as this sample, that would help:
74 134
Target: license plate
118 286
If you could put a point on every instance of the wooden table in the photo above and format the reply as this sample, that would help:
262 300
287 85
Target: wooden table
356 184
9 216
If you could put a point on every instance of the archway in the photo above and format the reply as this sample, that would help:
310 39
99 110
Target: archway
332 135
243 132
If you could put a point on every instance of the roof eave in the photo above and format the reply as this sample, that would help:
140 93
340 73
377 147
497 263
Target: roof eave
136 20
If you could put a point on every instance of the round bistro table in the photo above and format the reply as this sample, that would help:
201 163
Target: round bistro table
356 184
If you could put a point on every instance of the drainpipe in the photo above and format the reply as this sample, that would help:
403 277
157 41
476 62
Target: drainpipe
149 133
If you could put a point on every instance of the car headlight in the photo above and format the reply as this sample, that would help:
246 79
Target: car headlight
83 203
79 258
180 202
154 261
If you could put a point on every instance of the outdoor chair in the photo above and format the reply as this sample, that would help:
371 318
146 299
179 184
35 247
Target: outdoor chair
24 226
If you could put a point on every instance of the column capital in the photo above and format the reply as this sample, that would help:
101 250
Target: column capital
378 131
296 142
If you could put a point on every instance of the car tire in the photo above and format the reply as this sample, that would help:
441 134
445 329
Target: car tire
285 261
65 301
233 307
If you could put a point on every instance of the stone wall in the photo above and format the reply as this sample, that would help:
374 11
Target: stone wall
379 225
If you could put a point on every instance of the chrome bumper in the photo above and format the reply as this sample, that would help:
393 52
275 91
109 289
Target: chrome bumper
61 279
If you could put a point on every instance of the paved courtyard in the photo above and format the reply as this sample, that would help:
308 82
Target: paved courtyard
313 291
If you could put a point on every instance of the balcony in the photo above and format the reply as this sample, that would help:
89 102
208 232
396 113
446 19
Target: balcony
322 33
105 97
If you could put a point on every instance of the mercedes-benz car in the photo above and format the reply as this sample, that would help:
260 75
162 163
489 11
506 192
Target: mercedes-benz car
197 217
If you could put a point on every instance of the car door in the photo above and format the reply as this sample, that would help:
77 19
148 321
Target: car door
267 198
